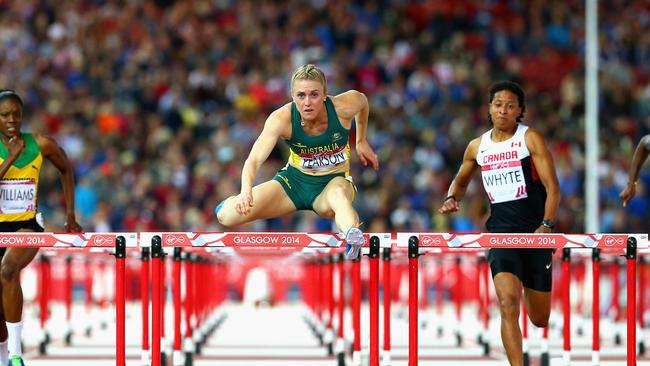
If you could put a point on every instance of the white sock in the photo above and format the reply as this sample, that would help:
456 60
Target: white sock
15 331
4 353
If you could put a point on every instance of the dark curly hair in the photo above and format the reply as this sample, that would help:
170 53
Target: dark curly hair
515 89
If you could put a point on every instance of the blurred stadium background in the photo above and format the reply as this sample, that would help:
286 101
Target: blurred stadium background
158 102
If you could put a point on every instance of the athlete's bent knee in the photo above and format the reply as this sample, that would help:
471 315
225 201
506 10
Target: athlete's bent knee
9 271
222 215
221 218
224 220
509 308
340 193
540 321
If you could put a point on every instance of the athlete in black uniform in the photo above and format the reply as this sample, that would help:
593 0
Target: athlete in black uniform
520 182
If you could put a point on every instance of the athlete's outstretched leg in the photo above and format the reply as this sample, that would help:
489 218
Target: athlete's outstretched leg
508 289
269 200
14 260
336 201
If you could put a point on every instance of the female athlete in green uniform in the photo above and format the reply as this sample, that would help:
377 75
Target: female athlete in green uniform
316 127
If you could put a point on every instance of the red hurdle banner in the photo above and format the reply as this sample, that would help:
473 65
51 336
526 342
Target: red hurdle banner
242 243
261 241
553 241
282 241
626 244
318 245
67 240
114 243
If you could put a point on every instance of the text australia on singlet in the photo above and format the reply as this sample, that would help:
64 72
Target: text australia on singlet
501 168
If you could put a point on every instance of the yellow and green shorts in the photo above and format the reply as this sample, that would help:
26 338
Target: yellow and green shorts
303 189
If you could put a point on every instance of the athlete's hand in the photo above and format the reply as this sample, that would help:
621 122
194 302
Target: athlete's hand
367 155
72 226
15 146
449 205
629 192
543 230
244 203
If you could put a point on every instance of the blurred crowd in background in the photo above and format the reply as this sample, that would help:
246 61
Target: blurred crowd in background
157 103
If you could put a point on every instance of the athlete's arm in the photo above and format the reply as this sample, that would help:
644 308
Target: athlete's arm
459 185
277 125
55 154
543 161
354 104
639 157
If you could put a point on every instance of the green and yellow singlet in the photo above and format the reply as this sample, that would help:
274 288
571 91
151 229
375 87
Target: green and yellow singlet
19 186
323 154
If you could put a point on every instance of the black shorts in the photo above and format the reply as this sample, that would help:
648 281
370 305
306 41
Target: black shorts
13 226
533 267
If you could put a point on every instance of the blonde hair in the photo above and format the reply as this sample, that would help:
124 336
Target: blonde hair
309 72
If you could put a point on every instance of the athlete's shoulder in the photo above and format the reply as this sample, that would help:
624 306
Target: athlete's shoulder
279 121
475 141
534 140
45 143
282 112
349 101
530 132
485 135
645 141
351 94
40 138
472 147
280 116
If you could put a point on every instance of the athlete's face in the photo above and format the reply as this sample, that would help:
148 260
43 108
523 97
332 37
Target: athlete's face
309 96
11 117
504 110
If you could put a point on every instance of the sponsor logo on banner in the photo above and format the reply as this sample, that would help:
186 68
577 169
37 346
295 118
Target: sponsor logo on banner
175 240
102 241
611 240
430 240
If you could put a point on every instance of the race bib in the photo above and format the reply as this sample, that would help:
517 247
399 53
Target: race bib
17 196
320 162
504 181
321 159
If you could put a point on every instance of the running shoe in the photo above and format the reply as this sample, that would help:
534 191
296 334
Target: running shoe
354 240
16 361
218 208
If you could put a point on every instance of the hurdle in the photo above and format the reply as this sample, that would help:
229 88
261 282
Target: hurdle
313 244
622 244
216 243
112 243
323 245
